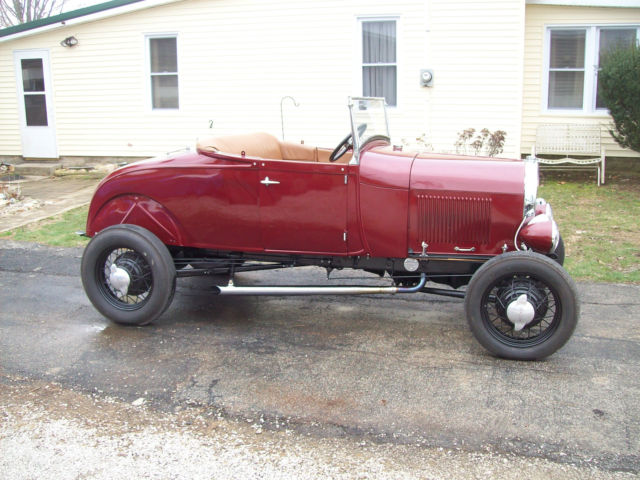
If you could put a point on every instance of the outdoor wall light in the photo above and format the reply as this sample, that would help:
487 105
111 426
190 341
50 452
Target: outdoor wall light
69 42
426 78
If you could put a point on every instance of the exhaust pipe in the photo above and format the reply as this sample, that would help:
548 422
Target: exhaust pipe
288 290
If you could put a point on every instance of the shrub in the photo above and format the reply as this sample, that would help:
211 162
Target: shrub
619 88
484 143
421 142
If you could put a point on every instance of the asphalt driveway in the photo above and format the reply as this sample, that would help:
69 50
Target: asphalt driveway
402 370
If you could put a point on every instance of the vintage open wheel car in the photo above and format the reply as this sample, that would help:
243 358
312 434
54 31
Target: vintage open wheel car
251 202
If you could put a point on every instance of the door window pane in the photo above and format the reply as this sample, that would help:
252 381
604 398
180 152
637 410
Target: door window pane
163 66
379 71
36 110
610 39
32 75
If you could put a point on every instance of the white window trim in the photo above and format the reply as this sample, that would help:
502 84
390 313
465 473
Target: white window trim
592 42
360 19
147 72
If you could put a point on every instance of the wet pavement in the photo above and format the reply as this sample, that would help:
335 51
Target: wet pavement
397 370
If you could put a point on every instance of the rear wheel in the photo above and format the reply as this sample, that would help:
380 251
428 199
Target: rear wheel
522 306
128 274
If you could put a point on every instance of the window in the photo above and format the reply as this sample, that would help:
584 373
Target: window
573 57
379 61
610 39
163 64
566 69
35 100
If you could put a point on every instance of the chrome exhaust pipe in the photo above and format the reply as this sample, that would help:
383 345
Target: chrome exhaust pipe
290 290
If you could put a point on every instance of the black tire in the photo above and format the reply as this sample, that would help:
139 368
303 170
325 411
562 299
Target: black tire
558 255
550 291
150 268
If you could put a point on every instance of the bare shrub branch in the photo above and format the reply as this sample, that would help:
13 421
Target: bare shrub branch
15 12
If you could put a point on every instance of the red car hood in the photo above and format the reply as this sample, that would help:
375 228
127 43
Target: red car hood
442 172
473 203
389 150
469 174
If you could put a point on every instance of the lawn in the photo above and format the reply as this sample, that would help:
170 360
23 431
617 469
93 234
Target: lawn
58 231
599 225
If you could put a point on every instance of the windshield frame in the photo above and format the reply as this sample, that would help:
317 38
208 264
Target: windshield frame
378 128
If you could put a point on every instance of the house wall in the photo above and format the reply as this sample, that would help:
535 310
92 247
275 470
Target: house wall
538 17
237 59
476 49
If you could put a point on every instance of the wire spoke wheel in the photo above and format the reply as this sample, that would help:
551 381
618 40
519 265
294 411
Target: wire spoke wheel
503 292
128 274
522 306
140 278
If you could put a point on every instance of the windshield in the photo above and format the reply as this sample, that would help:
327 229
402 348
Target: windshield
368 120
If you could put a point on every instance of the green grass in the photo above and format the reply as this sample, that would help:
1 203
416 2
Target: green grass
599 225
58 231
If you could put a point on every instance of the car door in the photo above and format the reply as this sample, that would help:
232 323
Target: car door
303 207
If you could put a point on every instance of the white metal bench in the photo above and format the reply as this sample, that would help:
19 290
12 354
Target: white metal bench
572 146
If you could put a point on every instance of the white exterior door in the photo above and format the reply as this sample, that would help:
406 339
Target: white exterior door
35 104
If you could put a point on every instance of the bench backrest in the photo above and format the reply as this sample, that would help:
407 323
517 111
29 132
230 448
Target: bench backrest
567 138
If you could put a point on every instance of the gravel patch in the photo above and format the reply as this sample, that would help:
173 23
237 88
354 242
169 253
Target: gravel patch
47 431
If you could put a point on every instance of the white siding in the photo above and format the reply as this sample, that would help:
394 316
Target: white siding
10 143
238 58
538 17
476 50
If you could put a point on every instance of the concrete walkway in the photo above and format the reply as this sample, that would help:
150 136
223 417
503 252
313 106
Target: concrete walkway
45 197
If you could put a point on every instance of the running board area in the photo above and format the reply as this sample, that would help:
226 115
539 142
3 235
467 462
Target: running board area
310 290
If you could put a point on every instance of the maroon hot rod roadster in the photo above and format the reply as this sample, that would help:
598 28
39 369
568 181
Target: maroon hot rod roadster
250 202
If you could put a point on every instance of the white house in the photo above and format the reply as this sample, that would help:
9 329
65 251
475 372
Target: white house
134 78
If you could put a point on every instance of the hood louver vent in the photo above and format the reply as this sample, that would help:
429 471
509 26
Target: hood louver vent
455 219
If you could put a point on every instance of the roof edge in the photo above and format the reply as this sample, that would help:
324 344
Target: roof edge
81 15
61 17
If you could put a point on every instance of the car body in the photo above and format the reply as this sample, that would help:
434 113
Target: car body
251 202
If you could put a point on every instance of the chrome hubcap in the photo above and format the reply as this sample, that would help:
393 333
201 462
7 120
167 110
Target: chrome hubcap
119 280
520 312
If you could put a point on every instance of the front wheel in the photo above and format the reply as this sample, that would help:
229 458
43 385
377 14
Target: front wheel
128 274
522 306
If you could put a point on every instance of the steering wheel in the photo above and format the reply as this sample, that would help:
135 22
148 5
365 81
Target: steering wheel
347 143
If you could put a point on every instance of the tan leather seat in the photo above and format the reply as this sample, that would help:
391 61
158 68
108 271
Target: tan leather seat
260 145
263 145
297 151
325 153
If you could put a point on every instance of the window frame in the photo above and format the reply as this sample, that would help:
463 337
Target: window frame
591 58
148 75
360 52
